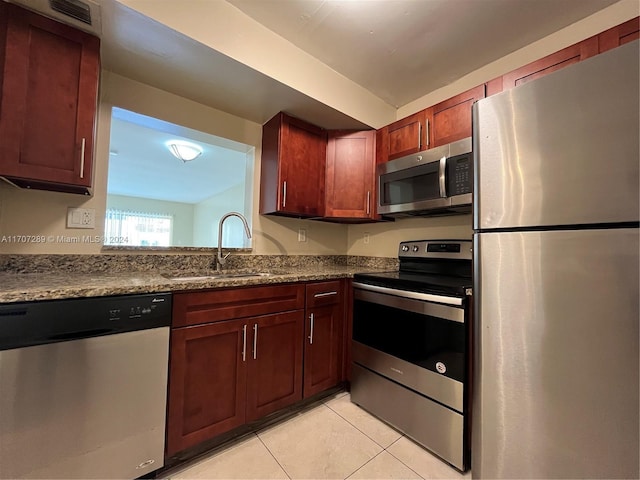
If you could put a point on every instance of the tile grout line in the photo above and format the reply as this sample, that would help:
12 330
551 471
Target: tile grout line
384 449
363 465
364 433
390 453
274 457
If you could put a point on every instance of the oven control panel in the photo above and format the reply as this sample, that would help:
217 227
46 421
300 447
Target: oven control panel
457 249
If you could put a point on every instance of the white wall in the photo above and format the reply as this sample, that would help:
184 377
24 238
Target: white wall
384 237
208 214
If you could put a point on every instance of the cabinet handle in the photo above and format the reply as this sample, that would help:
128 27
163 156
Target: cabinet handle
368 202
284 194
324 294
442 169
84 142
419 136
311 335
244 343
426 124
255 341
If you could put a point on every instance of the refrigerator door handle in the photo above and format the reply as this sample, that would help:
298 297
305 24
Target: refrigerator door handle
442 168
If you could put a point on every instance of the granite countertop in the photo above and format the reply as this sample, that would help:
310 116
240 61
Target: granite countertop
25 278
23 287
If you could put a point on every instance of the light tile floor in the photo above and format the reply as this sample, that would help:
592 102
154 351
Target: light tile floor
331 440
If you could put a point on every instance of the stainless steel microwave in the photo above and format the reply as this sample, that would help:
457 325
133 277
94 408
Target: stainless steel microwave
438 181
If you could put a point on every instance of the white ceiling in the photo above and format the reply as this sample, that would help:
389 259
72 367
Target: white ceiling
399 50
141 165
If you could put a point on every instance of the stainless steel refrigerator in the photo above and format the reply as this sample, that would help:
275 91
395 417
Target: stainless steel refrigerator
556 262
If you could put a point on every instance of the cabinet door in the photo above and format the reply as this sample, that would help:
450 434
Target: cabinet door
293 167
407 136
619 35
207 382
274 378
451 119
323 349
350 175
49 97
551 63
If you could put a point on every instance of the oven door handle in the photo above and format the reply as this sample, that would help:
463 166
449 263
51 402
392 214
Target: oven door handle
446 312
427 297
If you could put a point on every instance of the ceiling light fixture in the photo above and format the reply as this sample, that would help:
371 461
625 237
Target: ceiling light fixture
184 151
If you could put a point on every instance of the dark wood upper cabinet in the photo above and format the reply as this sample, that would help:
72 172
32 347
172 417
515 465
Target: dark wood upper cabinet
493 86
451 119
350 175
293 167
49 84
551 63
619 35
406 136
614 37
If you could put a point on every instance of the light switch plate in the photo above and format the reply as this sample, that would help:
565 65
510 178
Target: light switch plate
81 217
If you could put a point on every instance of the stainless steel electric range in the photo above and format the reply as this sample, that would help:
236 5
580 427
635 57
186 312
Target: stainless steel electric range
411 346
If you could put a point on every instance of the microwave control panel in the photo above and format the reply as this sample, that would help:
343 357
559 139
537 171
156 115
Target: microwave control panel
459 174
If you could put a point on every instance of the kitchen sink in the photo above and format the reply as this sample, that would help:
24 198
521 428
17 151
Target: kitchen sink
215 276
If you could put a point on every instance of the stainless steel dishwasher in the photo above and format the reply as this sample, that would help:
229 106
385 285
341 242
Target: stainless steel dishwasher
83 387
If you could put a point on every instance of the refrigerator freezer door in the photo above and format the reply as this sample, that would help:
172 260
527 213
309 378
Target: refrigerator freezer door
563 149
556 354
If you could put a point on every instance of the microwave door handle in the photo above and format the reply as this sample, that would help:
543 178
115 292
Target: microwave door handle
442 169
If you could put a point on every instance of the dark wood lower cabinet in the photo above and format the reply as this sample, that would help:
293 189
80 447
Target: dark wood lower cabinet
275 363
227 372
208 381
324 336
323 350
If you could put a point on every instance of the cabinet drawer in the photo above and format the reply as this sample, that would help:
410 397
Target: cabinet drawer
194 308
324 293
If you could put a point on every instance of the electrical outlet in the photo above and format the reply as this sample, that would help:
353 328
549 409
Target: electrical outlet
81 217
302 235
365 238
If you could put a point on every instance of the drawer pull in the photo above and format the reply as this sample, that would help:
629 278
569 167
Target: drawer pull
255 341
325 294
244 343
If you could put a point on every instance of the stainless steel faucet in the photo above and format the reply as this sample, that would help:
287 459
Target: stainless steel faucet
222 259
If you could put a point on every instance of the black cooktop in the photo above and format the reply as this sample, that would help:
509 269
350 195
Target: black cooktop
428 266
417 282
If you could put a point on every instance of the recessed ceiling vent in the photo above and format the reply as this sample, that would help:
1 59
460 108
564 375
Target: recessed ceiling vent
72 8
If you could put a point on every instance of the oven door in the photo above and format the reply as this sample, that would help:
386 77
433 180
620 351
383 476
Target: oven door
417 340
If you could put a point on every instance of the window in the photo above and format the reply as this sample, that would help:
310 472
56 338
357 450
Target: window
137 229
145 176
